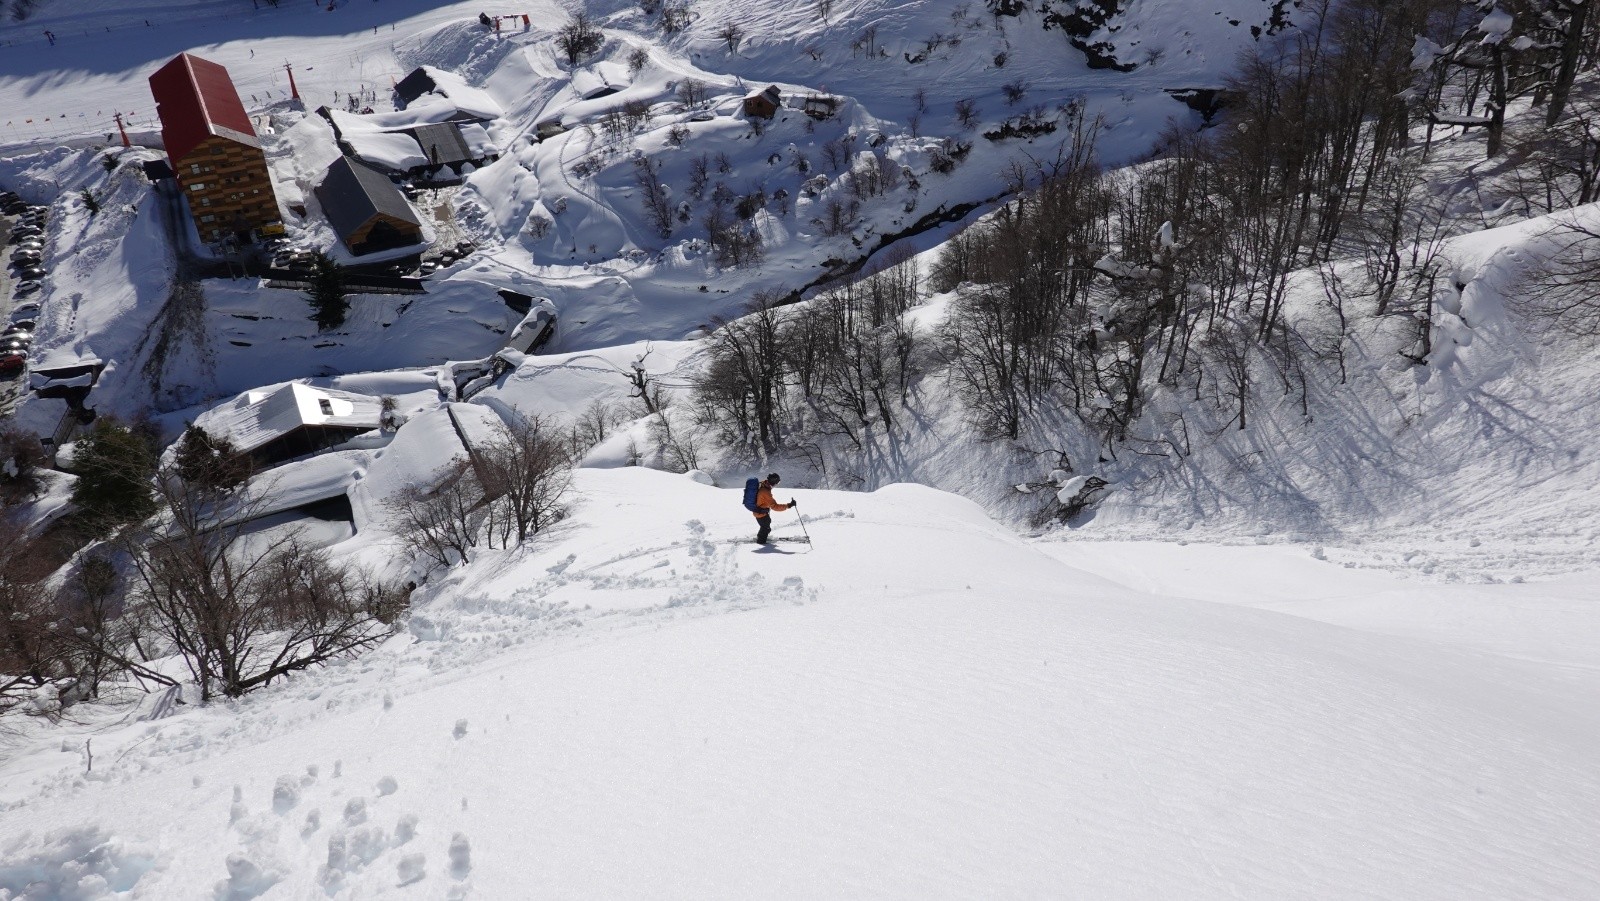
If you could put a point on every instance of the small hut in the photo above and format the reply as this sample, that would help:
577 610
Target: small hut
765 104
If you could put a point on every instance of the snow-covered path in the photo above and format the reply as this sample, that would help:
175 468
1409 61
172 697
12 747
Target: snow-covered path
922 705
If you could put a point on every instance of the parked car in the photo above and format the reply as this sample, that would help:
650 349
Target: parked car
14 343
24 324
16 330
23 289
12 363
24 311
18 235
26 257
32 272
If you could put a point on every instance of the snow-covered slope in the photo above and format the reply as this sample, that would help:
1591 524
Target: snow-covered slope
920 705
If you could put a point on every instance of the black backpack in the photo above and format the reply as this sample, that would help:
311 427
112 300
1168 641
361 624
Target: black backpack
752 487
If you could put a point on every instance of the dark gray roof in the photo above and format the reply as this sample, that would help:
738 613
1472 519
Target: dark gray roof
352 192
442 144
416 84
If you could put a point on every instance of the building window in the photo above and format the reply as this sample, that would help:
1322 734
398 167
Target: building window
197 186
325 406
205 201
208 218
195 168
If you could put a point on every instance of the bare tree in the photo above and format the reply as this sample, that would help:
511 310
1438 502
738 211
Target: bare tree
22 460
675 17
1573 16
241 610
30 658
741 389
692 94
1228 349
731 34
579 38
966 112
679 441
526 471
657 204
442 522
593 426
699 176
1564 286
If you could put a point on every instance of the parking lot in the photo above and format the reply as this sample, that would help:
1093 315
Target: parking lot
21 290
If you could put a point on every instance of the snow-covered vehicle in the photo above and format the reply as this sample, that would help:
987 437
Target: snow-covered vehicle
12 361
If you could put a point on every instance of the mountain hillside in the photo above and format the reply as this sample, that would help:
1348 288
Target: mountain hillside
918 705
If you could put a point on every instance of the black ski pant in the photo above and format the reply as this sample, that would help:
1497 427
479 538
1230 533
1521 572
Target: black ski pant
765 522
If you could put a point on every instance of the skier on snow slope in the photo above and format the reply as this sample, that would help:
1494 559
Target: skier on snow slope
758 499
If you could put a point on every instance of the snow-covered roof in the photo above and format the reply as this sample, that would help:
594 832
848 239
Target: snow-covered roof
597 81
423 134
396 151
464 97
257 417
478 141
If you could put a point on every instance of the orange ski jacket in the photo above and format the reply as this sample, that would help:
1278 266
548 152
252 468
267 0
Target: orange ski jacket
765 502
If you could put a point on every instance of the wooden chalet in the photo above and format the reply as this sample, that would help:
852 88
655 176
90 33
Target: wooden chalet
366 208
764 105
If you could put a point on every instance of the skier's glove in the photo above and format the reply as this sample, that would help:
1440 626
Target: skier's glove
794 503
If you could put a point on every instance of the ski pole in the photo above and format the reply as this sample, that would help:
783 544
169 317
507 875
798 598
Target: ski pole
798 515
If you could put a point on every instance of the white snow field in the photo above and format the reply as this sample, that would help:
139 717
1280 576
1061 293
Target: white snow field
920 705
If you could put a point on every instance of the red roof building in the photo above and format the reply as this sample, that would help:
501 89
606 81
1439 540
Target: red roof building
214 150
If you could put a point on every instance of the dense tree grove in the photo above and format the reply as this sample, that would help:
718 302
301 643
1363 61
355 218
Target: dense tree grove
1094 290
